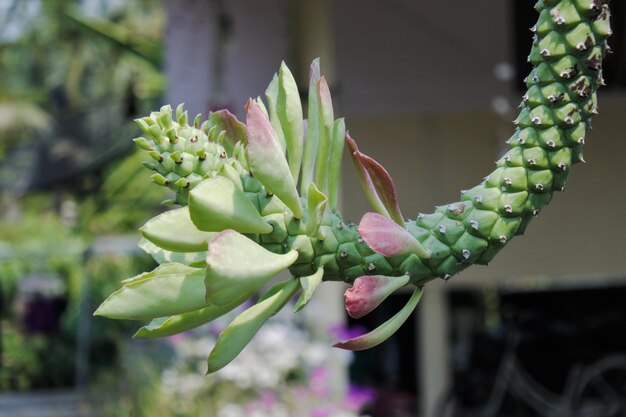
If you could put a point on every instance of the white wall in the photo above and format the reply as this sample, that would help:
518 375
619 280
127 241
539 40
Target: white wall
251 55
407 56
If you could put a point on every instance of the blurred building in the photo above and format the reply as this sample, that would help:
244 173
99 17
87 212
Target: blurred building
429 91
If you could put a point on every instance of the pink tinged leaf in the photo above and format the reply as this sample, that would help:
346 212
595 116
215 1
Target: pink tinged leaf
228 122
387 238
366 181
325 125
377 184
311 129
314 70
369 291
267 161
259 101
385 330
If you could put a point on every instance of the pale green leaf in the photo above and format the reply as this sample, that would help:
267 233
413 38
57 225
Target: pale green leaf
335 159
174 231
217 204
168 290
316 205
312 136
289 109
325 125
238 267
308 284
271 94
243 328
163 256
168 326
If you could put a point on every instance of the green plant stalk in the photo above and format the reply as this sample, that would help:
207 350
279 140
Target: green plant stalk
556 111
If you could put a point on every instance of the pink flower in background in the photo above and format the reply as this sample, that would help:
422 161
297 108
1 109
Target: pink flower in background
268 399
318 381
358 396
176 339
343 332
319 412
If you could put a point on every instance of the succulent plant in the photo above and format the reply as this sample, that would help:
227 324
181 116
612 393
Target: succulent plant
260 198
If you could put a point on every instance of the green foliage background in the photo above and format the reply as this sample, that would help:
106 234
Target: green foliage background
74 76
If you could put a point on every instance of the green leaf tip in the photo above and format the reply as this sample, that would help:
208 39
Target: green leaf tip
271 94
325 119
312 135
308 284
289 109
316 205
168 326
243 328
334 161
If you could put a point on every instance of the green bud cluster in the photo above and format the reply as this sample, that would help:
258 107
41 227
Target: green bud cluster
183 154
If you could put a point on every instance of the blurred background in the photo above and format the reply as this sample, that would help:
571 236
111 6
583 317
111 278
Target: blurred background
429 91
